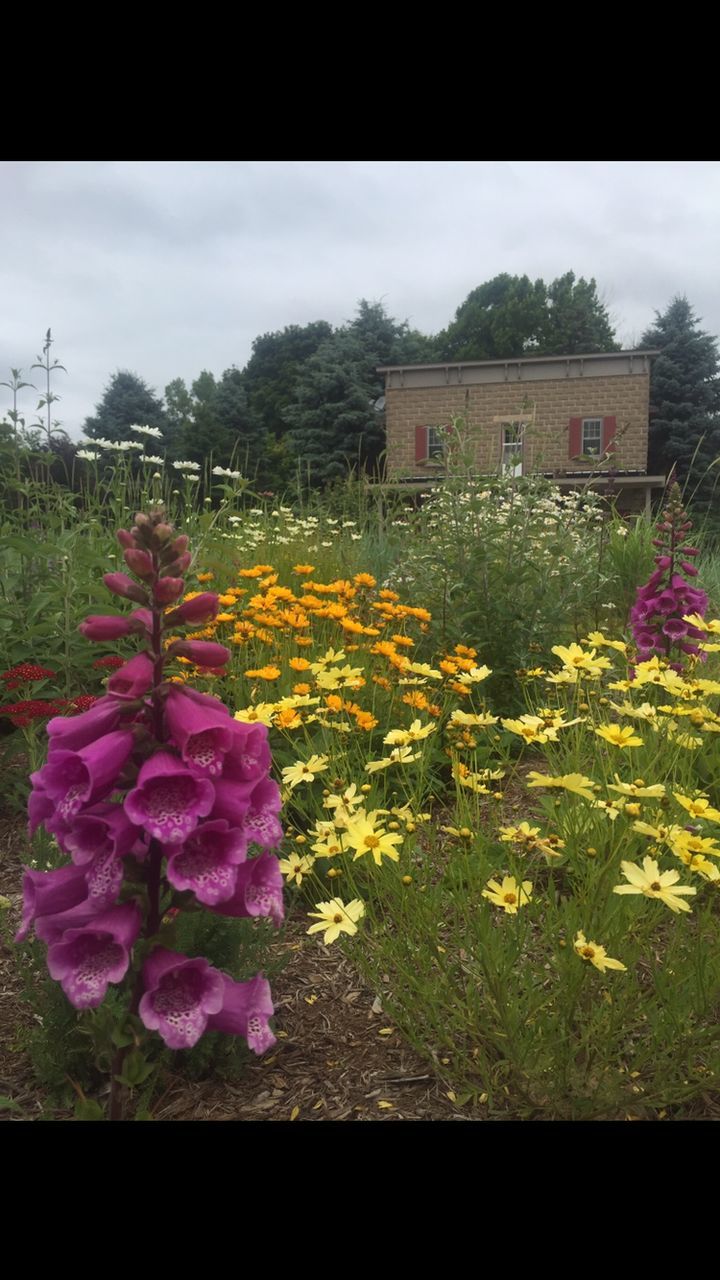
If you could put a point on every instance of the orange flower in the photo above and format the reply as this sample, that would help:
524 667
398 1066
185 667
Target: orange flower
225 617
303 640
349 624
364 580
302 688
383 682
334 702
226 599
299 664
205 577
461 689
264 673
385 594
464 652
364 720
447 666
404 640
256 572
287 719
303 568
416 699
384 648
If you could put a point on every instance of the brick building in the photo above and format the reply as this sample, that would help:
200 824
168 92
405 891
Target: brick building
577 419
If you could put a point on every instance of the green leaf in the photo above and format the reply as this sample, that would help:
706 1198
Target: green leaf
8 1104
88 1109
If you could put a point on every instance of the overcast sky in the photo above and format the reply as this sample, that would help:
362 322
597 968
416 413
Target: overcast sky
170 268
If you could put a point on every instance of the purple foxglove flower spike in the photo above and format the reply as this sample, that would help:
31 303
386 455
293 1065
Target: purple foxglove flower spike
87 959
208 862
168 800
249 757
180 996
106 627
246 1010
167 590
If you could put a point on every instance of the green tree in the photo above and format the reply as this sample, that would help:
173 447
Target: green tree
684 396
272 371
513 316
127 400
336 423
179 414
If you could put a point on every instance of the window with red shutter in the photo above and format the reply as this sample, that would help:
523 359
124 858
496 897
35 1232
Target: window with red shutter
421 444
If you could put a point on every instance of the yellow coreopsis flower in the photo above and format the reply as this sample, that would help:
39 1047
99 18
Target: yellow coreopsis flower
575 782
402 737
599 640
531 729
304 771
296 866
474 676
636 788
574 658
261 714
653 883
698 808
509 895
399 755
619 737
522 834
336 917
596 954
482 721
365 836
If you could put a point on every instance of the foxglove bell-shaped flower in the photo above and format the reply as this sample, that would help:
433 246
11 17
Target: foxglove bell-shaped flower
180 996
168 800
203 734
246 1010
121 585
48 893
202 608
87 959
208 862
74 732
104 828
204 653
249 757
258 891
74 779
261 824
133 680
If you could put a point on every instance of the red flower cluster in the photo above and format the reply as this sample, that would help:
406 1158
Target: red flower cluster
23 713
110 661
25 673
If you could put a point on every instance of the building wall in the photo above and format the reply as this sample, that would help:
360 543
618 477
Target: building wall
546 440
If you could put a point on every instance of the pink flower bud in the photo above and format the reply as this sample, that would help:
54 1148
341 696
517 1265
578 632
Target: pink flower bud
203 652
125 538
663 562
178 566
104 628
202 608
167 590
121 585
140 562
690 569
691 551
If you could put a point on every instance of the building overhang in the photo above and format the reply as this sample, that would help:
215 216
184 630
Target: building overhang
607 364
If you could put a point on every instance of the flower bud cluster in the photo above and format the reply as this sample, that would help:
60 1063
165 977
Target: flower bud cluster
667 598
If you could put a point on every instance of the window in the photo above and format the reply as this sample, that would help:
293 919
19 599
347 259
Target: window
434 442
592 437
512 449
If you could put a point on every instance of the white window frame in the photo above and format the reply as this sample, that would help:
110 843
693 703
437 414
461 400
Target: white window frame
592 448
435 447
511 450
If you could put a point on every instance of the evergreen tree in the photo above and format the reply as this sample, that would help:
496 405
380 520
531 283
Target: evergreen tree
684 397
273 369
336 422
127 400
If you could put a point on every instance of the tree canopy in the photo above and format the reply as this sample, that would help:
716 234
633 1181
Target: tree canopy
513 316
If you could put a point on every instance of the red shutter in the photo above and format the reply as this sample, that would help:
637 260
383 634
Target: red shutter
575 434
421 444
608 439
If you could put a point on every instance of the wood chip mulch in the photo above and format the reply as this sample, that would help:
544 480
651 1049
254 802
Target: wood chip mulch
338 1056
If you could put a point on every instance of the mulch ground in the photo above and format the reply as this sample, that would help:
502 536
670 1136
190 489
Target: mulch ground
338 1056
